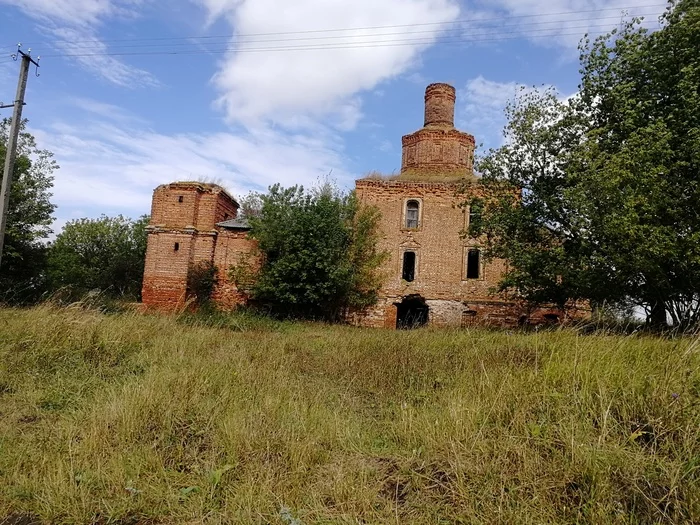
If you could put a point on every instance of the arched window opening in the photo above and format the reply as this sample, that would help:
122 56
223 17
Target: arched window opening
408 272
473 263
412 214
180 198
177 246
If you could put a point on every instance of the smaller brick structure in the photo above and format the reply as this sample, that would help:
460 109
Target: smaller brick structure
192 223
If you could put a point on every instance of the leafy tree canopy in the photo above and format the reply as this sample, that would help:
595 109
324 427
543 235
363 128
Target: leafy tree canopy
597 197
319 251
29 217
106 254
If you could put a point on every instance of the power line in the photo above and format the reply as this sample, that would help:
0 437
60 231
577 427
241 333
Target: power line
364 28
340 46
352 38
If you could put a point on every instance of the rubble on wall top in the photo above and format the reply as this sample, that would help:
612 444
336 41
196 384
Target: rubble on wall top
204 187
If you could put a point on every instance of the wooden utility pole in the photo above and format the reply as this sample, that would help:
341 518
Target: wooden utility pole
11 152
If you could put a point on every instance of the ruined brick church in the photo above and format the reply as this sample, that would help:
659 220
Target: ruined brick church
434 274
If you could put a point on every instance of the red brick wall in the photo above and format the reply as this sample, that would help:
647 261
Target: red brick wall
185 213
438 150
165 272
202 206
434 160
233 248
439 247
439 105
438 153
440 251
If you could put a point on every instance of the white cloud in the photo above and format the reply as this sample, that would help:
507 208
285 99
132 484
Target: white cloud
73 12
75 24
111 165
72 41
280 85
481 109
95 108
385 146
555 23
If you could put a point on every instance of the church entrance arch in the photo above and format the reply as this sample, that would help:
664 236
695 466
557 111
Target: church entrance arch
412 312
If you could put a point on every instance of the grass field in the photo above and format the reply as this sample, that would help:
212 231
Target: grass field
161 419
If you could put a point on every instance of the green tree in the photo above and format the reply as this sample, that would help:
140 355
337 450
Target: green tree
29 218
597 198
319 251
106 254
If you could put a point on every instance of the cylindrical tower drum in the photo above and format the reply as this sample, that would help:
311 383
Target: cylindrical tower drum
439 106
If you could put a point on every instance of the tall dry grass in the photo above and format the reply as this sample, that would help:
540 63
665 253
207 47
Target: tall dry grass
232 419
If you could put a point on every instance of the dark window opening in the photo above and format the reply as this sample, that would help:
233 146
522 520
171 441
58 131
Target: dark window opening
408 272
412 209
412 312
473 264
551 318
177 246
180 198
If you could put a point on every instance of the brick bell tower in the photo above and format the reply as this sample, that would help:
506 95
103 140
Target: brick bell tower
438 151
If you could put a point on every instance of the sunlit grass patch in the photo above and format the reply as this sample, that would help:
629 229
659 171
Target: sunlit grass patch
238 419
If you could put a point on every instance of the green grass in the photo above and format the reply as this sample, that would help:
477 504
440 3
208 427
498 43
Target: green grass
235 419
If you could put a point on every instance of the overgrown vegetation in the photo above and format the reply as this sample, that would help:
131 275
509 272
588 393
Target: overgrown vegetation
596 197
319 252
201 281
105 254
237 419
22 278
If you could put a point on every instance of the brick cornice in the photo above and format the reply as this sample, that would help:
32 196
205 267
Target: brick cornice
399 183
161 228
437 134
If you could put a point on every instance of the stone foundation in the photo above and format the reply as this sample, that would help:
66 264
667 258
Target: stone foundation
456 314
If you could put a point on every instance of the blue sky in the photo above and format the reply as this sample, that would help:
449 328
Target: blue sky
265 91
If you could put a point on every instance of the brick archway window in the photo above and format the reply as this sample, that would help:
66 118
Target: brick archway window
474 263
408 268
412 214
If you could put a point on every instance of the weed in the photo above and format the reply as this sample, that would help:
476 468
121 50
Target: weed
236 418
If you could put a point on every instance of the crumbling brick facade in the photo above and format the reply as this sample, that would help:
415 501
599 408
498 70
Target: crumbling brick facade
434 274
438 150
192 223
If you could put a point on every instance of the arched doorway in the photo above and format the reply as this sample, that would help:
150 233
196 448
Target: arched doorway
412 312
